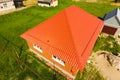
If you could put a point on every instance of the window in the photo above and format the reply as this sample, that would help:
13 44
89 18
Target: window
58 60
5 5
38 48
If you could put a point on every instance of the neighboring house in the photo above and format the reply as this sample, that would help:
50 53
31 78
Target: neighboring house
48 3
112 22
6 5
65 40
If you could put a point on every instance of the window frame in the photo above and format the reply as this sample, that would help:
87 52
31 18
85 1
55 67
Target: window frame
35 46
58 60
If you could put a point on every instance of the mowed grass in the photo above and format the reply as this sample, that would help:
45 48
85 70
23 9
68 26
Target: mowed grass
13 48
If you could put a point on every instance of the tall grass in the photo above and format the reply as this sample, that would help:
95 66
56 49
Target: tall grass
89 73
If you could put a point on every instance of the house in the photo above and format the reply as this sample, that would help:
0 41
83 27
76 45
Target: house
112 22
65 40
6 5
48 3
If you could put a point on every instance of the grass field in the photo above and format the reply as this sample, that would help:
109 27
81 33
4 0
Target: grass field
16 62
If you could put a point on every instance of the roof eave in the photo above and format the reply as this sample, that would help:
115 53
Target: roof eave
111 25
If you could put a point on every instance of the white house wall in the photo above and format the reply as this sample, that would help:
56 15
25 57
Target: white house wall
7 6
40 56
41 4
117 32
118 14
53 4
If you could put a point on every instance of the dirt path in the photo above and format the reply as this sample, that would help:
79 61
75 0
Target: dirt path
108 72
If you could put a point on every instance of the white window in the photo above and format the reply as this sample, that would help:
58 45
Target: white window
5 5
58 60
38 48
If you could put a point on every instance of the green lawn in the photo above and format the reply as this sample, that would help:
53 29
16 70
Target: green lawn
16 62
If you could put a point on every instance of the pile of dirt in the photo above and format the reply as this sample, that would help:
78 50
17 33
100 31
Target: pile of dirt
108 71
112 59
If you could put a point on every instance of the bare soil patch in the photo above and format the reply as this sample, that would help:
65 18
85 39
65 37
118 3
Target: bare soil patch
108 72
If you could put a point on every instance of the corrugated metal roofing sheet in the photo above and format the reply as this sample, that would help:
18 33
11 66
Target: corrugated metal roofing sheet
112 18
69 35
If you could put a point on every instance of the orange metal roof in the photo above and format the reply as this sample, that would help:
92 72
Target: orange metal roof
69 35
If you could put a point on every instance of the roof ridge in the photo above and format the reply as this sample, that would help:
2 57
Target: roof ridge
118 19
90 38
67 20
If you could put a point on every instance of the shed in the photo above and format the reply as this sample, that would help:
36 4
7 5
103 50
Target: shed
112 22
66 39
48 3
